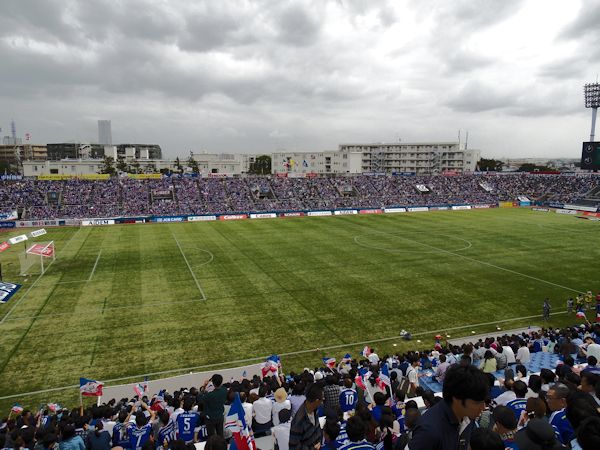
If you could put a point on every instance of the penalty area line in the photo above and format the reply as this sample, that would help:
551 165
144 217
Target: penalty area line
189 268
95 264
36 280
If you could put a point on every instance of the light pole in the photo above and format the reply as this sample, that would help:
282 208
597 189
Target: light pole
591 92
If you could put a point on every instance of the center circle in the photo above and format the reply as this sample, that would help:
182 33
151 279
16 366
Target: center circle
413 241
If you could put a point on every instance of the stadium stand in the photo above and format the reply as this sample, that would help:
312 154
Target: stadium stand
548 375
40 199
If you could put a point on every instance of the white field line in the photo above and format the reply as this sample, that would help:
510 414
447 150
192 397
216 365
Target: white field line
95 264
481 262
299 352
36 280
190 268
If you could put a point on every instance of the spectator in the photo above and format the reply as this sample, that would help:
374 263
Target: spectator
451 421
99 439
214 404
356 430
262 411
305 431
505 424
281 431
281 402
523 355
557 402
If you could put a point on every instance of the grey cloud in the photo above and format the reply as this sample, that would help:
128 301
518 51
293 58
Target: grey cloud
566 68
524 101
476 96
586 23
298 25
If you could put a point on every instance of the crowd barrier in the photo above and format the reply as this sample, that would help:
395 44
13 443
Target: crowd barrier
192 379
559 207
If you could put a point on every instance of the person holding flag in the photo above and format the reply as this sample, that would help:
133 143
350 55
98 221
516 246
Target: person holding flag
329 362
141 389
345 364
236 423
90 388
383 381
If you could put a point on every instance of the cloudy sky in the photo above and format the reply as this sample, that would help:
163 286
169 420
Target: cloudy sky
263 75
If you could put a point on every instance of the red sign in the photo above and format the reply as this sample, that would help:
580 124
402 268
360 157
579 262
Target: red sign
282 175
4 246
39 249
370 211
591 214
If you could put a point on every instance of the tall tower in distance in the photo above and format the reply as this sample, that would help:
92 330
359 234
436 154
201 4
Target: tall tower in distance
104 132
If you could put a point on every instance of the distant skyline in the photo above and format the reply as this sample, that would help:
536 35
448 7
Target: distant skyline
253 76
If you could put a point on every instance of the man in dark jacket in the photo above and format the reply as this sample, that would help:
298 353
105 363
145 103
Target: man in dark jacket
448 424
305 431
214 404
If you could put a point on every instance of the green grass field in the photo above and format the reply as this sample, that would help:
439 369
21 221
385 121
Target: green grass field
137 299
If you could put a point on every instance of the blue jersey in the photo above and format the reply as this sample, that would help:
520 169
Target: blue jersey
139 436
342 438
186 424
348 400
398 409
562 426
361 445
166 433
518 405
119 437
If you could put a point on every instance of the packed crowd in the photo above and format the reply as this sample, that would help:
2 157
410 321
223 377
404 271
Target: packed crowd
360 404
117 197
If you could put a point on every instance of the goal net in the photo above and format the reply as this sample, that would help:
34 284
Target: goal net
37 258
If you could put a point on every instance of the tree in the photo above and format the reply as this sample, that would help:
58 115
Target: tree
530 167
193 164
108 166
261 165
5 167
122 166
178 165
490 165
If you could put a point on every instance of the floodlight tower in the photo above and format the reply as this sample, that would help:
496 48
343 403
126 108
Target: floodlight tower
591 92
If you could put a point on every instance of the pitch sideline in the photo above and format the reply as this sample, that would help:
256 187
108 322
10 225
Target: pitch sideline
299 352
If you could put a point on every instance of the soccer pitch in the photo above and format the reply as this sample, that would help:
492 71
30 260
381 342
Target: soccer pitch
131 300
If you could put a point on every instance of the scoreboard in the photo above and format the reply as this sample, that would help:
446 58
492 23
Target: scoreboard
590 156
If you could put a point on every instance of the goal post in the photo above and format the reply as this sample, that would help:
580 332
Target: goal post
36 256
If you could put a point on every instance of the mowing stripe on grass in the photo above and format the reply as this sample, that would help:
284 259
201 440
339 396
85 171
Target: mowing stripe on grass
190 268
36 280
95 264
469 259
262 358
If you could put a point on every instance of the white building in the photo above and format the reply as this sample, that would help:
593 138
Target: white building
222 163
104 132
418 157
334 161
208 164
